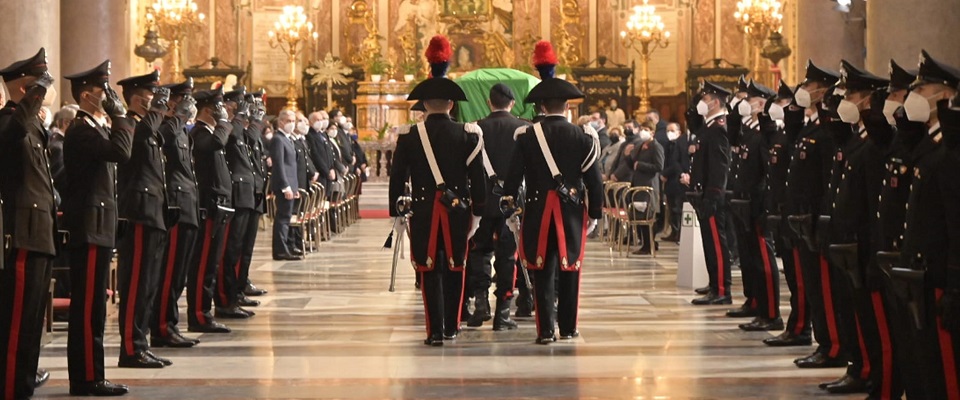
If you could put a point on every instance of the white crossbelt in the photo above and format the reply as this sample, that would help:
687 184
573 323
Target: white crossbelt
547 154
428 150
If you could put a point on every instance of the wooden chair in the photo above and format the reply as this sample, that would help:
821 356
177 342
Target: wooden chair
610 210
637 218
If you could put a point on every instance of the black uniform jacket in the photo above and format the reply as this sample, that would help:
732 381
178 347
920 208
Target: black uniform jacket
749 163
141 184
209 154
25 183
897 180
498 130
91 152
811 163
253 135
181 178
711 162
240 162
575 153
457 149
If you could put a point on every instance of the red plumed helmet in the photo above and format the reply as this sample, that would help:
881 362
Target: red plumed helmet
543 54
439 50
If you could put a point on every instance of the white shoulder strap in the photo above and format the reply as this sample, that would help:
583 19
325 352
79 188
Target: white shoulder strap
428 150
547 155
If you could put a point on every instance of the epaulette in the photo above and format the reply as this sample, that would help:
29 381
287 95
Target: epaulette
404 129
473 128
590 131
521 130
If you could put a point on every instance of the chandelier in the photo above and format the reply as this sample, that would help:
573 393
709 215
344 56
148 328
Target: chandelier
759 18
175 19
645 33
290 32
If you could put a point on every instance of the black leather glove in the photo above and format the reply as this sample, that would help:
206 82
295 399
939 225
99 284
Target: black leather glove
112 104
185 108
243 109
260 112
219 112
160 99
949 310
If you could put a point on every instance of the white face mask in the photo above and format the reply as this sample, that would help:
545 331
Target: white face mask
320 125
288 128
332 133
703 108
269 136
848 111
342 120
776 112
743 108
302 128
673 135
347 126
803 98
890 107
645 135
917 107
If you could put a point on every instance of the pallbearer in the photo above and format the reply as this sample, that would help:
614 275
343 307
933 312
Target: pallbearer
142 207
91 152
563 199
442 160
183 217
29 214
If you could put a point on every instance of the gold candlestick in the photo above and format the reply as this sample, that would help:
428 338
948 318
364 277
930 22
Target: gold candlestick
175 19
645 34
290 32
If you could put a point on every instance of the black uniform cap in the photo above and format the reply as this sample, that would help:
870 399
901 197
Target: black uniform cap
207 98
503 90
250 96
784 91
817 74
713 89
742 85
418 106
756 89
97 76
855 79
901 78
184 88
148 81
33 66
933 71
236 94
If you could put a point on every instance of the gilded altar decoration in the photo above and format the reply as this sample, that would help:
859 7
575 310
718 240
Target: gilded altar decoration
329 71
566 34
761 20
362 17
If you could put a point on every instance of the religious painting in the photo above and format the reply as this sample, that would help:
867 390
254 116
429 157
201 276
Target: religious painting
464 9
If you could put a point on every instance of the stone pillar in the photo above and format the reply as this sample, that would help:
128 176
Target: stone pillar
92 31
29 25
899 29
827 36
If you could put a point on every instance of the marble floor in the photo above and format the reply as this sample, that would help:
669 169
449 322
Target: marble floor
330 329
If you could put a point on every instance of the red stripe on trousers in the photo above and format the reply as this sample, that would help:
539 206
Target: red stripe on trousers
134 284
864 355
946 355
828 308
204 255
16 318
886 347
721 284
801 293
88 309
768 272
221 290
168 279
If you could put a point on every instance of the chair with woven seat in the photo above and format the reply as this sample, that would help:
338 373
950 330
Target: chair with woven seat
640 215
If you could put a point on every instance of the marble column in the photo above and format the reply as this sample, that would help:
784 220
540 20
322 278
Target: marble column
29 25
827 36
898 29
92 31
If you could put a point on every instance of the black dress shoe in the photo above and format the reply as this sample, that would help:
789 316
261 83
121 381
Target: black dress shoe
546 339
643 251
848 384
211 327
287 257
246 311
42 377
98 388
164 361
702 291
744 311
139 360
786 339
763 324
450 335
823 385
570 335
194 340
712 299
245 301
435 341
232 312
297 252
819 360
673 238
174 340
253 291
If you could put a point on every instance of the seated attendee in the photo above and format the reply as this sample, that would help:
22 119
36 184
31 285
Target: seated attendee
647 157
609 154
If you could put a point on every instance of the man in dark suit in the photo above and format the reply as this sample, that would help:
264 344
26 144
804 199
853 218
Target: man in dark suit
91 151
183 217
558 200
442 160
284 184
210 135
142 208
29 227
320 150
493 238
676 161
598 121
